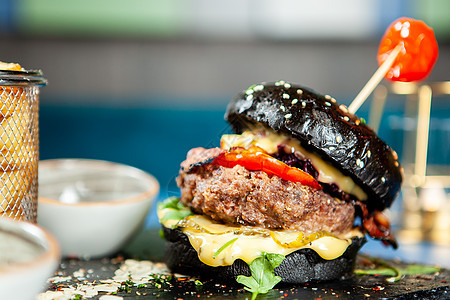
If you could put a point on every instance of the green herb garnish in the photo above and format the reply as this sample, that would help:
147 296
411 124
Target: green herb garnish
174 209
126 286
198 282
227 244
263 277
250 88
387 269
159 280
198 285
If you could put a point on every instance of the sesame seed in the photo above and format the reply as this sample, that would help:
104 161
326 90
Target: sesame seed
303 104
280 82
383 179
283 108
357 122
359 163
328 104
328 97
288 116
369 154
258 88
250 97
396 164
294 101
286 96
299 91
333 100
343 108
249 91
287 85
338 139
346 118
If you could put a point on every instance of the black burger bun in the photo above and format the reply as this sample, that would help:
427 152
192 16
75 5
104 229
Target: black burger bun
302 266
322 126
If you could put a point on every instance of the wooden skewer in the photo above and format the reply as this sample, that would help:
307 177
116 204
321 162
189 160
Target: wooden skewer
374 80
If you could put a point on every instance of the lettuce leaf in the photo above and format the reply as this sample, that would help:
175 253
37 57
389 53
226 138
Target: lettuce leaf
173 209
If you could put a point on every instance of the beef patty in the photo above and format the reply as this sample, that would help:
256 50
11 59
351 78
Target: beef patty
239 196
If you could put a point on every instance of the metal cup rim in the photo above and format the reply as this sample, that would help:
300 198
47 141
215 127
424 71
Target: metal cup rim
22 78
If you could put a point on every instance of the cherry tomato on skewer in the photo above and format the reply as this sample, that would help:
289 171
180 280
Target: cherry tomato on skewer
419 50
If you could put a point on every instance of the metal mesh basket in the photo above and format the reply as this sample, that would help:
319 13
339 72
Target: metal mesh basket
19 143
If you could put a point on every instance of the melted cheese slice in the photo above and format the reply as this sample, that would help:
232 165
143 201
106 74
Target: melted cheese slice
250 247
220 245
269 140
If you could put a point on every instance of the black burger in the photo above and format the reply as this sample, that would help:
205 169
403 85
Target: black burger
293 192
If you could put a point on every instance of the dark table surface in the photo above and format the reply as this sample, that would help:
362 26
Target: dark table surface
149 246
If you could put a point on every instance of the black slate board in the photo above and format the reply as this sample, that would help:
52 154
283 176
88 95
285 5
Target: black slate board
429 286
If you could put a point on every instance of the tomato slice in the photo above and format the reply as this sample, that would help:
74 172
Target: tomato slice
419 50
256 159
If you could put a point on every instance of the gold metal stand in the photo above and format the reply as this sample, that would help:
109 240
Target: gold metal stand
426 205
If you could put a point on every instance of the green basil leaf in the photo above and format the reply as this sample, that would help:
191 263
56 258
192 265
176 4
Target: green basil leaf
263 277
274 259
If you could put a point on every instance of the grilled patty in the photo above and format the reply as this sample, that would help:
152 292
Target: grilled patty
239 196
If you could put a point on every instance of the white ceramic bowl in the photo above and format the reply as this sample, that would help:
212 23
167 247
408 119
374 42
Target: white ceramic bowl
29 255
93 207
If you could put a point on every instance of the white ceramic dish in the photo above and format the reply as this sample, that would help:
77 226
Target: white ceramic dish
29 255
93 207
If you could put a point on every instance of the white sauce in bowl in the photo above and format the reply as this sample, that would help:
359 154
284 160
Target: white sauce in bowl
15 249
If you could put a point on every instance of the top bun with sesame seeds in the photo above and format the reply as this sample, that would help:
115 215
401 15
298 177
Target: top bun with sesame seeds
323 127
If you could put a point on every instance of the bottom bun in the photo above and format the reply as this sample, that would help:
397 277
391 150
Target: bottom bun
301 266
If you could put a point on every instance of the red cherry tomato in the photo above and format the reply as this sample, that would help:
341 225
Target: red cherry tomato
419 52
257 159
